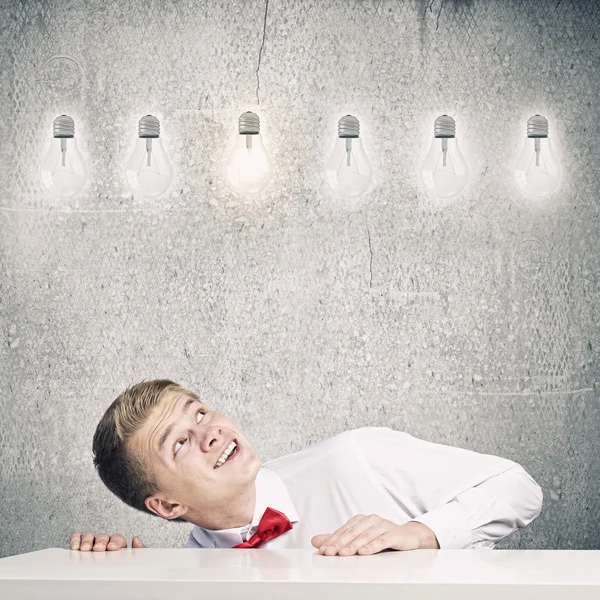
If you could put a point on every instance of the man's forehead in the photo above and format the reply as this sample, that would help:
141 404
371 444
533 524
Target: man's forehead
172 404
175 397
176 403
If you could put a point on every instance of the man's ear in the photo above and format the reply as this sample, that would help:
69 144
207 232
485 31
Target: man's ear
165 509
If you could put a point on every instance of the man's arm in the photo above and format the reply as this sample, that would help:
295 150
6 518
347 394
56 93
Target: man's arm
485 514
465 498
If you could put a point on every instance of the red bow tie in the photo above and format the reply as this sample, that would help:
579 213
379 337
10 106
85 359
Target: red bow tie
272 525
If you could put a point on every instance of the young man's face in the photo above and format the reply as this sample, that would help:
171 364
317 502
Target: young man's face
185 463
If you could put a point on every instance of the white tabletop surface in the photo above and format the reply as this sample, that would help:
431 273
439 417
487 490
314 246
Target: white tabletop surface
182 573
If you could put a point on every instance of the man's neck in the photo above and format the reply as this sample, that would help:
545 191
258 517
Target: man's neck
235 514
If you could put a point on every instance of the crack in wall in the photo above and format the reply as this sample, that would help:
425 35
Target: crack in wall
260 51
437 23
428 7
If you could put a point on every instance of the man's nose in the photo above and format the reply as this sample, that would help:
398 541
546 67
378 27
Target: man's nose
211 438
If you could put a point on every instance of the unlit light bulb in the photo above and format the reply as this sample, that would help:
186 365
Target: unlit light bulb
537 170
444 171
149 172
348 170
63 172
249 167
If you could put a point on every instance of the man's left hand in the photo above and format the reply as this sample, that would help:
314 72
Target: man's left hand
371 534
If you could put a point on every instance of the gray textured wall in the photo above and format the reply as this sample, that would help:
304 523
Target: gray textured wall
471 323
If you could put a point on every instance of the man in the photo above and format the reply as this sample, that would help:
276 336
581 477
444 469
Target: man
163 451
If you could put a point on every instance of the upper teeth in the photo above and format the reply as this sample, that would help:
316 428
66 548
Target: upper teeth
225 454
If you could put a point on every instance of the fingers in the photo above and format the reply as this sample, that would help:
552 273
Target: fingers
100 543
137 543
117 541
75 540
360 527
357 535
371 541
78 540
87 541
324 539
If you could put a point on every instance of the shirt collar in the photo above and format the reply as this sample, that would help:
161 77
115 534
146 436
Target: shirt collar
270 491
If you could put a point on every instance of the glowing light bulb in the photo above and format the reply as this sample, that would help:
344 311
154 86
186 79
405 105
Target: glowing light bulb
348 170
63 172
537 170
249 167
444 171
149 172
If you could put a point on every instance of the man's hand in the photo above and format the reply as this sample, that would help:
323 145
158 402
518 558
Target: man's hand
372 534
86 542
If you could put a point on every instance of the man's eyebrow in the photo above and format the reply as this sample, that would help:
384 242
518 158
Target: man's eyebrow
169 429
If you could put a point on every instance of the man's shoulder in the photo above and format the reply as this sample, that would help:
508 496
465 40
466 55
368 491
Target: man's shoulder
320 448
371 430
348 435
332 456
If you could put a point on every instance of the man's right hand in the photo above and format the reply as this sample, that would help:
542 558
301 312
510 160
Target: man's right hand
86 542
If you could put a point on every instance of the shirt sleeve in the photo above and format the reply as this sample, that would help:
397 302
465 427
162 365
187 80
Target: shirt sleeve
483 515
468 499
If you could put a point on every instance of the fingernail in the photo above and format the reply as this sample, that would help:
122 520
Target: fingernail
112 545
85 547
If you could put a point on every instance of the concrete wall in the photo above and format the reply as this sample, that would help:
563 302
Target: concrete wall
473 322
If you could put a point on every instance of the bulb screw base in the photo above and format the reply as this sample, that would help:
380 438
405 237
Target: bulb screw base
444 127
63 127
537 127
249 123
149 127
348 127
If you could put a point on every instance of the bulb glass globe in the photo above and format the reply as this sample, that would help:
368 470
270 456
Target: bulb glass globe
348 169
249 167
63 172
444 171
149 172
537 171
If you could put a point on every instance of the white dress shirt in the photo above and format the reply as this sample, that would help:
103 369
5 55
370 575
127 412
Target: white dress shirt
469 500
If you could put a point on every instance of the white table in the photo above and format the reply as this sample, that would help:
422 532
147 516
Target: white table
221 574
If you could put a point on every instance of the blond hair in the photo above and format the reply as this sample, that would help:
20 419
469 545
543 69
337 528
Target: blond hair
125 472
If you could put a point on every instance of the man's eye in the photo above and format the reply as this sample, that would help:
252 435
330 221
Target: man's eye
185 439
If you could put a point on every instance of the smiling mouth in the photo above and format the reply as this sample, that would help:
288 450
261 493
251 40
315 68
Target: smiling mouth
232 454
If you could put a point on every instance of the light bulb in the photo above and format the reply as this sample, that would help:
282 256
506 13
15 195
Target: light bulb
63 172
537 171
444 171
149 172
249 167
348 170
